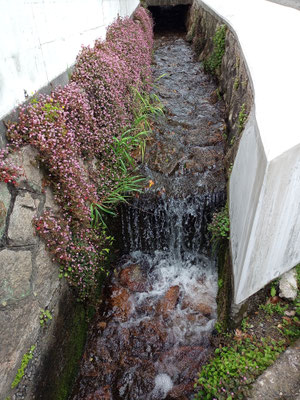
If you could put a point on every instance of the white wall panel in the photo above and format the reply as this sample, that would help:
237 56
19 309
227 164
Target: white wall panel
40 39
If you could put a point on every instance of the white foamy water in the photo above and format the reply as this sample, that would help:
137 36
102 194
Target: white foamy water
196 278
163 384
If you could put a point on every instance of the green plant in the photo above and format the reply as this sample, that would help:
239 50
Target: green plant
146 107
45 316
214 61
219 327
25 360
242 118
232 369
220 283
220 227
236 83
274 308
273 291
245 324
298 275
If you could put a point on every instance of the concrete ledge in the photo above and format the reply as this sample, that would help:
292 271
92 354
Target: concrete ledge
265 180
281 380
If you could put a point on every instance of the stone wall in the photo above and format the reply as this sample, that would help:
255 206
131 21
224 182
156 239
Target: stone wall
28 278
233 76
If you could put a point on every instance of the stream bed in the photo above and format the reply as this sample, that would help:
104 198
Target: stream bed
152 332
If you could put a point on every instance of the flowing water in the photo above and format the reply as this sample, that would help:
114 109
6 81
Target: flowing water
151 334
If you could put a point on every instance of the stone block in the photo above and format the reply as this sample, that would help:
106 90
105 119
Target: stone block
18 331
26 159
15 275
20 230
46 277
50 202
4 205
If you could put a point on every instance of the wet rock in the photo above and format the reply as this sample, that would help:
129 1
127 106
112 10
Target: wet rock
204 136
182 362
195 305
165 156
100 394
133 278
168 302
148 337
101 325
203 158
137 381
121 303
213 98
288 285
180 391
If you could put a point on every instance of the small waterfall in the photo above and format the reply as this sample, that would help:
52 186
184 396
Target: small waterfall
152 223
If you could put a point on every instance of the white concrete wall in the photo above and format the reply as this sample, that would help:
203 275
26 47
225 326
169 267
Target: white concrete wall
40 39
265 180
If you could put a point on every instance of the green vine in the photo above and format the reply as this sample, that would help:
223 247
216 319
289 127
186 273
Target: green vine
214 61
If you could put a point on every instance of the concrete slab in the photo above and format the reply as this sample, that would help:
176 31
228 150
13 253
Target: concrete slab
288 3
41 40
282 379
265 180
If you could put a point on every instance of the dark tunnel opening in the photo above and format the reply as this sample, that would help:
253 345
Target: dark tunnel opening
169 18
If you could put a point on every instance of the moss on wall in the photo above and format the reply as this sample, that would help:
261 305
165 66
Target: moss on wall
60 364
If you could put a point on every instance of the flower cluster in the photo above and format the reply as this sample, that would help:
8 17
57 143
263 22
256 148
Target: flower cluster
74 130
8 171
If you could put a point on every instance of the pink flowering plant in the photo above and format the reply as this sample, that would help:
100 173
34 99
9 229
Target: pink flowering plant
8 171
85 134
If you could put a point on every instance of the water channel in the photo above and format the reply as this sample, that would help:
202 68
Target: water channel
152 332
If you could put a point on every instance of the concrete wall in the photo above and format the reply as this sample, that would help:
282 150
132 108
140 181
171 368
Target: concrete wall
264 187
40 39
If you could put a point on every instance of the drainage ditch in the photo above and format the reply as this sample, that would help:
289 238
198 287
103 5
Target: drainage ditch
152 332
